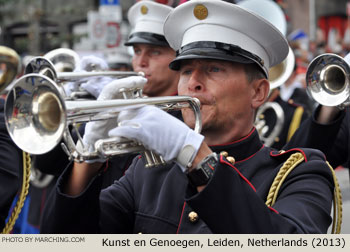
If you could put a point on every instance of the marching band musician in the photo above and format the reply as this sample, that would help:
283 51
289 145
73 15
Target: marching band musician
152 53
214 182
293 113
11 169
152 56
11 157
327 130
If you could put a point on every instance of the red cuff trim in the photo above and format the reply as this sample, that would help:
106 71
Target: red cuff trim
272 209
182 213
288 151
239 173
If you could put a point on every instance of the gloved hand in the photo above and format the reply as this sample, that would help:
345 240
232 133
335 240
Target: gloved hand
160 132
91 63
96 130
93 85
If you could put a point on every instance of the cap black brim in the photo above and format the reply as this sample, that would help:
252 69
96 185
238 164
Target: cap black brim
146 38
215 51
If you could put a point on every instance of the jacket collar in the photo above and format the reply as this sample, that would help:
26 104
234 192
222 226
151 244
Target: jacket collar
243 148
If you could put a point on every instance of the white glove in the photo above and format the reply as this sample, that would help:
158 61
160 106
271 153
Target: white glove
113 89
99 129
91 63
93 85
160 132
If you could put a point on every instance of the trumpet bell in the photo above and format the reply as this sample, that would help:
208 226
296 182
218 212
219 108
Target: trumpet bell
9 66
42 66
327 80
34 114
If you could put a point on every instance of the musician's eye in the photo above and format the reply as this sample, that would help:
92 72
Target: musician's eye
137 51
214 69
155 52
185 70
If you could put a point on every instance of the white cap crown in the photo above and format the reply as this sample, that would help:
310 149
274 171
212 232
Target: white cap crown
226 23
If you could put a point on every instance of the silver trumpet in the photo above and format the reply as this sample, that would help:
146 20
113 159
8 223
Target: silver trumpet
266 135
9 66
37 118
44 66
327 80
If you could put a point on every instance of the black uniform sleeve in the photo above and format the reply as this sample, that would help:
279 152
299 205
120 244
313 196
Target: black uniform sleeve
231 204
67 214
331 139
81 214
10 170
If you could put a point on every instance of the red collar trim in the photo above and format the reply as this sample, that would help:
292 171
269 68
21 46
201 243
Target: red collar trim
239 140
240 161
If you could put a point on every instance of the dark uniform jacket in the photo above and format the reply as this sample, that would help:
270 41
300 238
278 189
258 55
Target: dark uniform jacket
332 139
294 114
56 160
10 169
160 200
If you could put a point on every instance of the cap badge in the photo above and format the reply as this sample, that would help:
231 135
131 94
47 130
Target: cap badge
200 11
144 9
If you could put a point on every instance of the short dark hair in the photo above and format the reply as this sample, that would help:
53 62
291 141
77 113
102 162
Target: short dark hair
253 72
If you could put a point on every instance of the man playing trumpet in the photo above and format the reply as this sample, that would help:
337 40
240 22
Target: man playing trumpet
216 182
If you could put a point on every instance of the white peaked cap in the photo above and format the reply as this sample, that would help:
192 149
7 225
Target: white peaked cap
147 19
239 34
269 10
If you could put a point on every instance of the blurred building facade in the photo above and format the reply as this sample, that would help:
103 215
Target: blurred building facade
37 26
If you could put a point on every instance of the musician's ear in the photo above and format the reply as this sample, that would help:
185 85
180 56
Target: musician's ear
261 88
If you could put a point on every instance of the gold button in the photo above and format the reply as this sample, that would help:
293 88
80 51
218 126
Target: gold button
193 216
232 160
224 153
277 139
290 101
261 116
